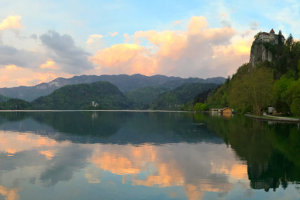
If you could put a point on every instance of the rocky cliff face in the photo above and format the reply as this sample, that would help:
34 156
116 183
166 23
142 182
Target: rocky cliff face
259 50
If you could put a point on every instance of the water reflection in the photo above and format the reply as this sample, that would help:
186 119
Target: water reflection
272 151
145 156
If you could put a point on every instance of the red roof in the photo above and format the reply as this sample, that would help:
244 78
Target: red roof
272 31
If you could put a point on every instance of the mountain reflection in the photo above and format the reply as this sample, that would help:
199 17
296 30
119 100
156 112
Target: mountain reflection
154 155
110 127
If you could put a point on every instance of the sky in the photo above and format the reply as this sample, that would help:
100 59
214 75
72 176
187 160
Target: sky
45 39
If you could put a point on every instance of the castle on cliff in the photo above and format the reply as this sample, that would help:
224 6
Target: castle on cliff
259 50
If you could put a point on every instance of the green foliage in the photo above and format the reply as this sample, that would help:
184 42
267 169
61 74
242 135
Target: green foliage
286 58
298 68
15 104
293 97
287 95
99 95
219 98
290 40
280 89
143 97
252 91
180 96
187 107
272 152
3 98
274 83
200 107
295 107
125 83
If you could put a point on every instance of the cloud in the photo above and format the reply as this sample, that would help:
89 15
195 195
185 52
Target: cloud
93 38
287 16
12 75
49 64
95 42
62 50
114 34
177 22
13 56
124 58
49 154
63 166
9 194
197 51
11 23
175 165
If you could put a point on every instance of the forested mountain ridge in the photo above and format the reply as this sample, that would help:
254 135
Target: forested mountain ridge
125 83
181 97
98 95
105 96
3 98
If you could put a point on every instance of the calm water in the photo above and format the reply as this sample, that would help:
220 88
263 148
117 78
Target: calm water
122 155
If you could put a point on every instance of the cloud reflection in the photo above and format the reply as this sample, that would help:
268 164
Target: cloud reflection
197 168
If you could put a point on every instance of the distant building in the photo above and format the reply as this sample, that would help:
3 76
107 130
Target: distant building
226 112
94 104
271 110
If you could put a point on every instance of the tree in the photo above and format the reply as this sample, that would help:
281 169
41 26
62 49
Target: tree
293 98
200 107
280 38
252 91
290 41
298 68
295 106
280 89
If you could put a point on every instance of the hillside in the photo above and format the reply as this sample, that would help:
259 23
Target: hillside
271 78
98 95
124 82
3 98
143 97
15 104
179 97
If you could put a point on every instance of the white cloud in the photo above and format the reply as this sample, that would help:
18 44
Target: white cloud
93 38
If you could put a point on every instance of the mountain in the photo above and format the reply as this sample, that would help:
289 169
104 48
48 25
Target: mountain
143 97
15 104
184 94
3 98
98 95
124 82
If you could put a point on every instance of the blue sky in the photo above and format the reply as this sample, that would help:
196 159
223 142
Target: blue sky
112 25
81 18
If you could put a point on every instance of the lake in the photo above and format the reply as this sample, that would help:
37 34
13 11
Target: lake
146 155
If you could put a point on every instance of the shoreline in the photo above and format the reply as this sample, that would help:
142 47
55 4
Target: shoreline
273 118
161 111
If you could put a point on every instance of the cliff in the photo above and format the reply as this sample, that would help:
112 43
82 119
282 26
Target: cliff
261 49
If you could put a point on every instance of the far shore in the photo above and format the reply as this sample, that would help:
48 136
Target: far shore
274 118
163 111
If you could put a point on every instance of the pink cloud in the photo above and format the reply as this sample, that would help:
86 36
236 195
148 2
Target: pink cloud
12 75
197 51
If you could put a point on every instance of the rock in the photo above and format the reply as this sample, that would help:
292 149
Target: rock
259 50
